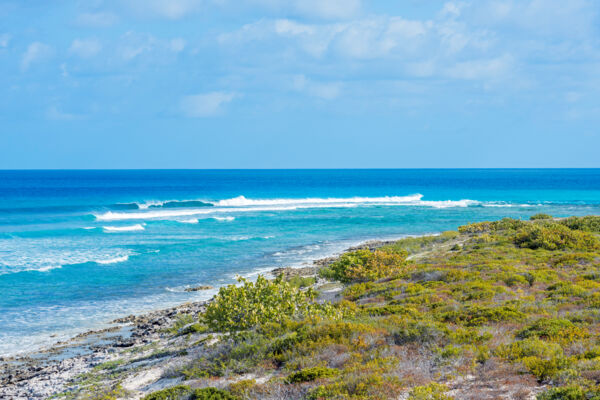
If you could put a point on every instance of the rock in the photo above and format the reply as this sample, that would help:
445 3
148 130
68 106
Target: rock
199 288
289 272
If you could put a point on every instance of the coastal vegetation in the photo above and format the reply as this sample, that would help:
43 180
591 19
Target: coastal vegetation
503 309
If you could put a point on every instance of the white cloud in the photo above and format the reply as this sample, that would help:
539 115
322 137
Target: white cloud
85 48
377 37
324 9
205 104
169 9
325 91
556 18
485 69
177 45
35 52
96 20
4 40
329 8
54 113
134 44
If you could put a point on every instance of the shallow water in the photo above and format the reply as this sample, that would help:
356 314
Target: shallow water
79 248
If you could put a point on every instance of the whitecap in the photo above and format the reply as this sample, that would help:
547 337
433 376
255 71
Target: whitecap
113 260
189 221
130 228
242 204
226 219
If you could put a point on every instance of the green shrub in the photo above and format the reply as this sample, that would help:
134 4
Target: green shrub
364 265
302 281
476 315
529 348
212 394
311 374
361 386
540 216
546 369
494 226
417 244
572 392
241 388
423 332
469 336
173 393
237 308
433 391
553 329
554 237
590 223
181 321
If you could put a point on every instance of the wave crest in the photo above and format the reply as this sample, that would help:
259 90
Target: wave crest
242 204
130 228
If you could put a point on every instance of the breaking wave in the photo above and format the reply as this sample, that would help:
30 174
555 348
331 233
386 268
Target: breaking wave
242 204
130 228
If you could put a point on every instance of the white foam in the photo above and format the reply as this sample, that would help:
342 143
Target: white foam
43 254
243 201
146 205
131 228
167 214
113 260
241 205
189 221
227 219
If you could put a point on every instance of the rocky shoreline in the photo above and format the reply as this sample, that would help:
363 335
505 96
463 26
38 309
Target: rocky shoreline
42 374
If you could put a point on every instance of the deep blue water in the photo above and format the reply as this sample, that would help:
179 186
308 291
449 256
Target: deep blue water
79 248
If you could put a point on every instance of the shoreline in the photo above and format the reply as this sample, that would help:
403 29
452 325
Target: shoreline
44 372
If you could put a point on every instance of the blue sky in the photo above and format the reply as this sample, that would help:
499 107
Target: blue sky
299 83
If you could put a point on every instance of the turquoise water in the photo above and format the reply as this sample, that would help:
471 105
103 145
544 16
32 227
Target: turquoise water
79 248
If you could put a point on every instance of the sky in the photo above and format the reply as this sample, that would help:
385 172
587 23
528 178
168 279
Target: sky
299 83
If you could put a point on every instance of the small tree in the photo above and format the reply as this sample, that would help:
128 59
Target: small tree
364 265
238 308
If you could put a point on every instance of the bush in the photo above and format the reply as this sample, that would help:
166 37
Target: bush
364 265
311 374
477 315
540 216
420 243
172 393
554 237
573 392
529 348
213 394
302 281
360 386
420 332
502 225
241 388
553 329
433 391
254 303
590 223
546 369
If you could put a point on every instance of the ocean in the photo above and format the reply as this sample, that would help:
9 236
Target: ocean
80 248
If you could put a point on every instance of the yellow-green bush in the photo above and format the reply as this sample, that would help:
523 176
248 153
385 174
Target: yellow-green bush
173 393
555 237
311 374
433 391
553 329
237 308
364 265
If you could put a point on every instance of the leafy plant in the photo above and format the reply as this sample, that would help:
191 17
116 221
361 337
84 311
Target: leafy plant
364 265
311 374
555 237
238 308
